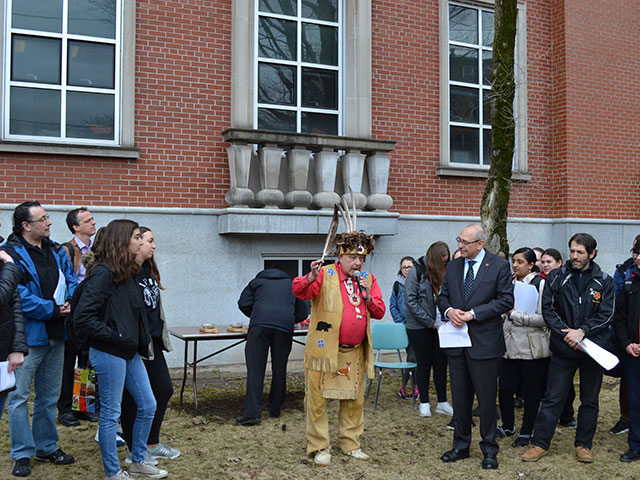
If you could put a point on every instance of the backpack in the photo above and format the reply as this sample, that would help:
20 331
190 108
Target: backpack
68 246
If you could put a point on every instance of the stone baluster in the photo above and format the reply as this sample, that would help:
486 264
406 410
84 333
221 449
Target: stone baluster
269 158
298 170
326 163
378 173
239 195
352 173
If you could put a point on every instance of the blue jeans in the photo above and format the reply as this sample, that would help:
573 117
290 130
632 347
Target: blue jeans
114 375
42 368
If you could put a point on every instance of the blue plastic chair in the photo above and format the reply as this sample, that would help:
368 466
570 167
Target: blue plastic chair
390 336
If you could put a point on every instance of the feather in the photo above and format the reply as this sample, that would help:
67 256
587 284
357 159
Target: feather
345 217
353 203
333 229
348 223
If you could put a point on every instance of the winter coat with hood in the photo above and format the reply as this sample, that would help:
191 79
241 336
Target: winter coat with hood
420 298
269 301
564 306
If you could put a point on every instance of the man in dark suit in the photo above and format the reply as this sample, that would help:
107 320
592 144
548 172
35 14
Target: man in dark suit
476 290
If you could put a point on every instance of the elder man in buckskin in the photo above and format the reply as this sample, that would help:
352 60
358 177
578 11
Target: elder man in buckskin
338 351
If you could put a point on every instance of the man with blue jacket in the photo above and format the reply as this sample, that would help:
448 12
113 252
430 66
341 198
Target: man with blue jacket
45 290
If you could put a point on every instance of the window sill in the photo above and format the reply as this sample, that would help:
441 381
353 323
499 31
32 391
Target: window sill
75 150
477 173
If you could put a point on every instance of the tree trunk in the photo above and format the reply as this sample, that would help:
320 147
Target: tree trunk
495 201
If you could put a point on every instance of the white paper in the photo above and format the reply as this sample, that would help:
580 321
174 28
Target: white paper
60 293
606 359
451 337
7 379
526 297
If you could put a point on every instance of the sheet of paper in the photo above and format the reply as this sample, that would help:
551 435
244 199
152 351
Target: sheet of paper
60 293
526 297
605 358
451 337
7 380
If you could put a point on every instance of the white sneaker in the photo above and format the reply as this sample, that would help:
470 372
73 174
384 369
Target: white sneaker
145 469
121 475
163 451
358 454
425 410
322 458
147 458
119 440
444 408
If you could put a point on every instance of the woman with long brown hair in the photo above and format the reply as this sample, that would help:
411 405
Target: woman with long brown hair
421 288
111 314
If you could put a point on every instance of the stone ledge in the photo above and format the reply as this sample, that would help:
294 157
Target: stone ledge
477 173
74 150
247 221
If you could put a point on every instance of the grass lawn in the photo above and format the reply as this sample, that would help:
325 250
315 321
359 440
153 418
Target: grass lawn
401 443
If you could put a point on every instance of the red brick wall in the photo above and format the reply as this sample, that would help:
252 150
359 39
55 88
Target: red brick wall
583 97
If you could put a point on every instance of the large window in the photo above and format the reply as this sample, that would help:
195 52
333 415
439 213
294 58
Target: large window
62 71
298 66
470 54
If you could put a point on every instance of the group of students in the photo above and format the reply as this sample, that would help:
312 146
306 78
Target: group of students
524 366
118 318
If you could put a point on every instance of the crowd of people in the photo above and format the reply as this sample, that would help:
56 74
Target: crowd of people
116 327
96 301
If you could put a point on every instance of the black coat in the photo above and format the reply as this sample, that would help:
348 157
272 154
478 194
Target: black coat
269 301
12 334
627 313
563 306
113 316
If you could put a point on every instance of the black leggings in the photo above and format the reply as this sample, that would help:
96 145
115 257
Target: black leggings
426 348
162 390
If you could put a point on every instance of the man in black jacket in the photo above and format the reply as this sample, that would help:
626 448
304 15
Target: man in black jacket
625 322
577 303
269 302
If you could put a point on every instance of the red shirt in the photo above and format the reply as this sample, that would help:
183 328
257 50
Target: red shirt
352 329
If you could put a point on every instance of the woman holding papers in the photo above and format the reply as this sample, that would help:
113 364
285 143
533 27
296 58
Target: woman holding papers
527 356
421 287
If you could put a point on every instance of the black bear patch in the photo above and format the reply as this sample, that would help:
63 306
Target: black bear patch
323 326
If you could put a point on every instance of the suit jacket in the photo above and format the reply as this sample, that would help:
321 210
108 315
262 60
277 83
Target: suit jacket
490 297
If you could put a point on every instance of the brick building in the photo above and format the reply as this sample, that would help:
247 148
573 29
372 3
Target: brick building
229 127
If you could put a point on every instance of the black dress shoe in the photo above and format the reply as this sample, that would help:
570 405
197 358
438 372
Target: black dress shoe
490 461
88 416
454 455
248 421
68 420
630 456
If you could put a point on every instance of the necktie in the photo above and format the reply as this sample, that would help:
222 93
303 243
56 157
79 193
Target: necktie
468 280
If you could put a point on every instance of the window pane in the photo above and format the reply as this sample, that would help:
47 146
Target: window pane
319 44
34 111
290 267
319 88
90 115
37 15
35 59
464 104
486 146
320 10
276 84
321 123
464 145
463 64
284 7
463 24
281 120
91 64
94 18
487 28
487 58
277 39
487 111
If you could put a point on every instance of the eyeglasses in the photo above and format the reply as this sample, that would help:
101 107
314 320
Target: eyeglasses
406 268
466 243
43 219
634 253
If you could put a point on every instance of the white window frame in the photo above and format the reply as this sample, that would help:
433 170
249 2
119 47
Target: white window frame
123 144
447 167
355 99
299 65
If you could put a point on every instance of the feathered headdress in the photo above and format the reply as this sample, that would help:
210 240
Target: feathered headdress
352 242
